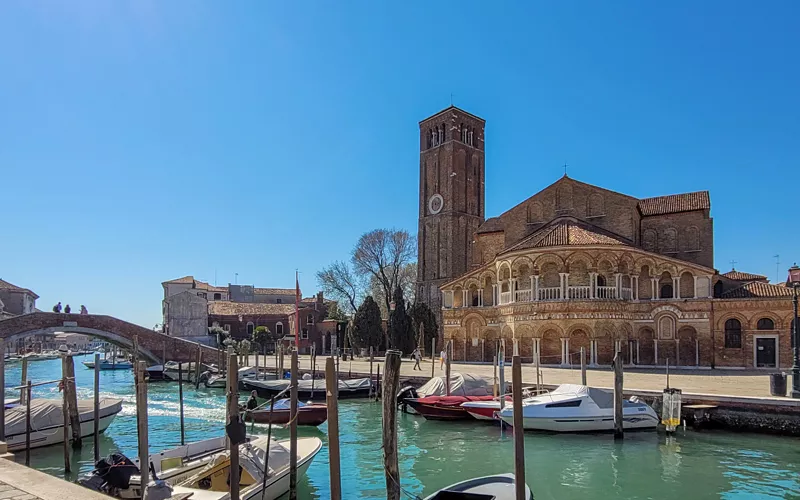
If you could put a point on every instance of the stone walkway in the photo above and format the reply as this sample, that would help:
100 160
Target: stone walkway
10 493
718 382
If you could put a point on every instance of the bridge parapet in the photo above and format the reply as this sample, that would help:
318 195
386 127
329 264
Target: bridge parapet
152 345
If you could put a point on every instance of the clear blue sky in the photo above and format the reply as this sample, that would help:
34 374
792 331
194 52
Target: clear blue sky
144 140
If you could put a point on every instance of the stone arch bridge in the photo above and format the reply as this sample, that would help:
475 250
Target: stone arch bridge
153 346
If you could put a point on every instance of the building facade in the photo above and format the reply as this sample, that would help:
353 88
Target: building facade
577 266
15 300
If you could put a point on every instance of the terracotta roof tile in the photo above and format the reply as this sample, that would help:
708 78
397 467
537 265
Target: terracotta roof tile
757 289
733 274
186 280
567 232
226 308
491 225
675 203
274 291
5 285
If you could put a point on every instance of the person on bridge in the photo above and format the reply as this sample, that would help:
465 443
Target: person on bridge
67 309
84 311
57 308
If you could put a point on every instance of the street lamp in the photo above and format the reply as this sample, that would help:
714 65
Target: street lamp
794 282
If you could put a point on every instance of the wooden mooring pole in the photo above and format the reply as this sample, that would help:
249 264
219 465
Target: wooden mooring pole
370 372
583 366
197 367
519 431
180 402
618 430
293 430
141 431
2 390
433 357
391 381
24 379
332 399
27 424
68 373
65 430
448 353
96 413
233 416
494 375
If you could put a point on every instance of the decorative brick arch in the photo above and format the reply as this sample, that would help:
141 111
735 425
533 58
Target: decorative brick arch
580 256
550 344
753 323
473 317
549 258
152 345
720 326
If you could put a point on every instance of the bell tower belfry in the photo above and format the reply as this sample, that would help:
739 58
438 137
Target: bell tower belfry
451 198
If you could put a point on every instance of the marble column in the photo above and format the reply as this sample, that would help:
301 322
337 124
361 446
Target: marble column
536 287
676 288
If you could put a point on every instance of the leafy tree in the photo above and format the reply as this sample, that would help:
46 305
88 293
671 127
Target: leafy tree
424 322
367 330
261 337
401 334
219 333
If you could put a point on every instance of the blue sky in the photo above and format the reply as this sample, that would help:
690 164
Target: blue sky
142 141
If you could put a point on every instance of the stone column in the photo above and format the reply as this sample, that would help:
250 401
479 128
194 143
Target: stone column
537 349
697 352
563 353
655 351
494 294
480 297
536 287
695 286
676 288
564 285
533 297
465 298
566 351
654 288
710 287
677 352
592 285
618 284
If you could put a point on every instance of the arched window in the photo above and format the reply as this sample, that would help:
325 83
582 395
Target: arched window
250 328
601 280
649 240
441 134
670 240
461 132
310 319
692 239
666 291
733 334
217 296
469 139
278 328
765 324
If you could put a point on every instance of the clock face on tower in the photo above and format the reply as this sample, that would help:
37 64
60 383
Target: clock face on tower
435 204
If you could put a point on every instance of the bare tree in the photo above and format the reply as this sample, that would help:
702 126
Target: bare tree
340 282
383 254
407 281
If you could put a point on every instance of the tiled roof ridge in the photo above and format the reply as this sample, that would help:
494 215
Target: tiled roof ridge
743 276
565 225
675 203
757 289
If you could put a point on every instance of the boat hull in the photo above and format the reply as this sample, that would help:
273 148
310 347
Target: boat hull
318 394
444 407
312 415
55 435
583 423
499 487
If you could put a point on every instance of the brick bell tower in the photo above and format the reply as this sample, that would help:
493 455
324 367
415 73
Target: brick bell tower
451 199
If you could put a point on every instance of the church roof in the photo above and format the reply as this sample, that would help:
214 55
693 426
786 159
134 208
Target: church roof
733 274
567 231
491 225
757 289
675 203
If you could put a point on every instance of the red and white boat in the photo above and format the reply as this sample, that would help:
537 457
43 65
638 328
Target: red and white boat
444 407
483 410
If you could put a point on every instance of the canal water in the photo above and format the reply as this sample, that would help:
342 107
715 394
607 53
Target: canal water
646 465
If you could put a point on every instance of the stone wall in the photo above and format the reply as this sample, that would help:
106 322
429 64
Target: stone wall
188 315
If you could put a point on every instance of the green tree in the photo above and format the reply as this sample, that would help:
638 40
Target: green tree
219 334
425 325
261 337
367 330
401 334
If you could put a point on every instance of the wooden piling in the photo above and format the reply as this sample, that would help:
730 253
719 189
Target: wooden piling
583 366
28 423
377 383
433 357
293 430
135 352
96 413
180 402
313 368
232 378
24 379
370 372
65 429
391 381
68 372
141 431
519 431
538 378
617 363
332 399
197 368
494 376
2 390
448 353
163 354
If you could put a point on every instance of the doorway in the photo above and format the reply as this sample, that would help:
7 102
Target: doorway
766 352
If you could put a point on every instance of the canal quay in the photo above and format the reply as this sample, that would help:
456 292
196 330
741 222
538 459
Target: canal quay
688 464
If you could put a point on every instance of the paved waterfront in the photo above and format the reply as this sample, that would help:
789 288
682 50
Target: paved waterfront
11 493
719 382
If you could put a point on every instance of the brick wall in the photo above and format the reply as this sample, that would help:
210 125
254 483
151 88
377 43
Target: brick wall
683 246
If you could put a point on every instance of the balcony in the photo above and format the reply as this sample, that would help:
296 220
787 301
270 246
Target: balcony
550 294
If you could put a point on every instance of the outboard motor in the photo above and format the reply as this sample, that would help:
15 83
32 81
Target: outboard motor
407 392
111 473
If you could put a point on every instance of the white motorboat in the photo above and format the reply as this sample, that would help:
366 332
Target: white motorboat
47 421
219 380
578 408
499 487
211 482
187 370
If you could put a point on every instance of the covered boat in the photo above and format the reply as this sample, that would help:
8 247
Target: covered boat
211 482
110 364
313 389
578 408
47 421
444 407
499 487
312 414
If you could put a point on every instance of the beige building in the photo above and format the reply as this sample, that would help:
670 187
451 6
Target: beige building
579 266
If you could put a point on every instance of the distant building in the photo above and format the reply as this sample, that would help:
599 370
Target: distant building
15 301
191 307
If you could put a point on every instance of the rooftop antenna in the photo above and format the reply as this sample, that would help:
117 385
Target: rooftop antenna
215 277
777 268
451 98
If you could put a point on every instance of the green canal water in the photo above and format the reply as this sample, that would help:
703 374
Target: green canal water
691 465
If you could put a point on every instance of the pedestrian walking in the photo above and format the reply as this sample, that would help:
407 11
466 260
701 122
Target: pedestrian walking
57 308
84 311
417 357
442 359
67 309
